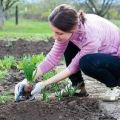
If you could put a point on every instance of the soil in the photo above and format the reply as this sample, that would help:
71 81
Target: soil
69 108
23 47
72 108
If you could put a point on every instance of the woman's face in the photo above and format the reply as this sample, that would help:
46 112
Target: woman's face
60 35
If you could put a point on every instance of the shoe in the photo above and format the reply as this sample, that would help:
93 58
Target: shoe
112 94
70 90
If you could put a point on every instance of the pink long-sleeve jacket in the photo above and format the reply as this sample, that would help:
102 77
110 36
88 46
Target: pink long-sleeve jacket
97 35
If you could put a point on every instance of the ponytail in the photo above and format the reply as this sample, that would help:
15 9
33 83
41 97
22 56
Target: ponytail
81 16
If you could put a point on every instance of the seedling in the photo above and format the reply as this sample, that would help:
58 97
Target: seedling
8 62
56 88
35 59
49 75
5 97
28 68
70 90
45 95
2 74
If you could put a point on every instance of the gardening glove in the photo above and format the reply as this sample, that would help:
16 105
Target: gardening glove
37 89
19 89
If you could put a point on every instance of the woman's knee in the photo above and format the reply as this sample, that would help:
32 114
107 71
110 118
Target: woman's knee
85 63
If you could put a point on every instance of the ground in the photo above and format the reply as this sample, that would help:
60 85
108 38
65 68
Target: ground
69 108
21 47
72 108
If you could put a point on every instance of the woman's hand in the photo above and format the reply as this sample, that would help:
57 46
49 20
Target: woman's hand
19 89
37 89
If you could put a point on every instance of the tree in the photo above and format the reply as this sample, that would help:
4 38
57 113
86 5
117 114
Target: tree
16 15
46 6
5 5
51 4
99 7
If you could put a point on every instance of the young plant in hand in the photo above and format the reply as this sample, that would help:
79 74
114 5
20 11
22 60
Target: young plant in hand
29 69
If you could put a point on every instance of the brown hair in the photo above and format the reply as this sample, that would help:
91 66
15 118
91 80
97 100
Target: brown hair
65 17
81 16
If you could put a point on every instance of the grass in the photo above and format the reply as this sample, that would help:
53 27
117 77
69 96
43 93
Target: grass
29 29
26 29
117 22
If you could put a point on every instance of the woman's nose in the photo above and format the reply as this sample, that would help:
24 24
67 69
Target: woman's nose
55 36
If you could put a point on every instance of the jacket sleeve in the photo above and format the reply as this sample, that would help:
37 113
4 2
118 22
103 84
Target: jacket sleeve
54 56
89 45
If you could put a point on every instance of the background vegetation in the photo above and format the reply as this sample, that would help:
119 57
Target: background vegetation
28 18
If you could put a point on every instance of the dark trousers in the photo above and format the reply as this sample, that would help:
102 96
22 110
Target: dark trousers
103 67
69 54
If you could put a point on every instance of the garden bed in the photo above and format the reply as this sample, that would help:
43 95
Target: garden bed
72 108
69 108
24 47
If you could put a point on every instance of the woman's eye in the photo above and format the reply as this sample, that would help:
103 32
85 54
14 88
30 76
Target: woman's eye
57 33
60 33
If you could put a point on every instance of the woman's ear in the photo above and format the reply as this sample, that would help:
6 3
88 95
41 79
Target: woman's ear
74 29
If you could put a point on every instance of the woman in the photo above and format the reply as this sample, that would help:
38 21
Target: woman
89 43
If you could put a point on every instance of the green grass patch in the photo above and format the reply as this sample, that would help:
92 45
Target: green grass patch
29 29
117 22
26 29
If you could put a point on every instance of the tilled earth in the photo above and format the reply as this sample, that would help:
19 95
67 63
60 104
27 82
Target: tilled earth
69 108
72 108
23 47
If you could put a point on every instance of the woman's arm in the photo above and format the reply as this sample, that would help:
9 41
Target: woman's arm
58 77
54 56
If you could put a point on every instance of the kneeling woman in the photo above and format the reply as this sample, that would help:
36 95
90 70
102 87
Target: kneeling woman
89 43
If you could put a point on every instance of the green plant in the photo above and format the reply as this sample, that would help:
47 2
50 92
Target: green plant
45 95
36 59
57 90
6 97
28 65
70 90
7 62
28 68
49 75
2 74
1 65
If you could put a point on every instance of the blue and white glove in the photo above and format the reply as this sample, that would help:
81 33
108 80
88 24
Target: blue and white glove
37 89
19 89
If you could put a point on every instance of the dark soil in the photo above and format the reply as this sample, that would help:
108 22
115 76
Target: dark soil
22 47
72 108
11 80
